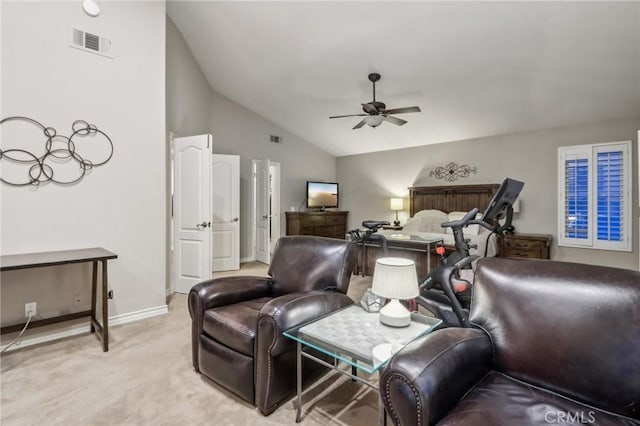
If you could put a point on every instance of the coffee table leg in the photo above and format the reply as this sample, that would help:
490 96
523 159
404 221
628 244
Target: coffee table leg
354 370
382 413
299 382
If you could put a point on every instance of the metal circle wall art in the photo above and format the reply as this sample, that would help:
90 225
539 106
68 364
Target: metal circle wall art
452 171
58 150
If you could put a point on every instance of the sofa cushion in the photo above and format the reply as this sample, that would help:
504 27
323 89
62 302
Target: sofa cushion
235 325
501 400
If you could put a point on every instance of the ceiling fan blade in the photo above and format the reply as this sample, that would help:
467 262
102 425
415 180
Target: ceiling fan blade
394 120
360 124
403 110
371 109
349 115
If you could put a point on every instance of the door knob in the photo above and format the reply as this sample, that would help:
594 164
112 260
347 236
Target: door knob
265 217
203 224
235 219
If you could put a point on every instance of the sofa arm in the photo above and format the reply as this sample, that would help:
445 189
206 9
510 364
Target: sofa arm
428 377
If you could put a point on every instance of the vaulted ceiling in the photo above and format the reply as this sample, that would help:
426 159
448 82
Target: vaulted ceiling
475 68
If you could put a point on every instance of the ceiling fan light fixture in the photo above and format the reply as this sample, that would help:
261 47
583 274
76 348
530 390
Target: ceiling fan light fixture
91 8
374 120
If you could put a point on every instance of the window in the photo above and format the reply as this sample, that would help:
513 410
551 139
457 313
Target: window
594 197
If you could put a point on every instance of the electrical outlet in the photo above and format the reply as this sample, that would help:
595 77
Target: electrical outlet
79 299
30 308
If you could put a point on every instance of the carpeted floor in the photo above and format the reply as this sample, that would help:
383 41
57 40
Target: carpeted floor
146 378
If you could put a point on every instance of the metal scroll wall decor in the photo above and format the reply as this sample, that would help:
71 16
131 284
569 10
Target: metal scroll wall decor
452 171
58 149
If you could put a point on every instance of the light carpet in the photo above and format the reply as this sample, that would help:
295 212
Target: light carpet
147 378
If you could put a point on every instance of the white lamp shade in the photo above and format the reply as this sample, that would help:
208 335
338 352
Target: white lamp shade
374 120
396 204
395 278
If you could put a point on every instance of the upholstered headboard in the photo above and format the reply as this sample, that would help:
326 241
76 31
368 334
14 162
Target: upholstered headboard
451 198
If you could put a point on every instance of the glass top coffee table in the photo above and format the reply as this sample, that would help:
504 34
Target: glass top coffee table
356 338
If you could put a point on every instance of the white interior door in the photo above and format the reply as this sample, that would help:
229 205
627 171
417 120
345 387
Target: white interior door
274 185
262 213
192 210
225 209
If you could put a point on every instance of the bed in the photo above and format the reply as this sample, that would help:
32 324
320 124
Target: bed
429 206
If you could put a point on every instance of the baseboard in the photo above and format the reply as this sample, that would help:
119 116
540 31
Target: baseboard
248 259
77 327
138 315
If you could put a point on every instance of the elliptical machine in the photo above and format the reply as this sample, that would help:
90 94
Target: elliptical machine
442 291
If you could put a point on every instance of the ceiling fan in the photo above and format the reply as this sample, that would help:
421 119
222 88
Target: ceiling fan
376 111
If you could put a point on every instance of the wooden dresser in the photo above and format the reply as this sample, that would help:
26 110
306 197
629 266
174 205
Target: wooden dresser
332 224
532 246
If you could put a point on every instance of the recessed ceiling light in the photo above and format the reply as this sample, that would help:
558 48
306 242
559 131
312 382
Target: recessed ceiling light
91 8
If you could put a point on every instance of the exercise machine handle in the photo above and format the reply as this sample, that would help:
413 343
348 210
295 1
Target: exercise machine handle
462 222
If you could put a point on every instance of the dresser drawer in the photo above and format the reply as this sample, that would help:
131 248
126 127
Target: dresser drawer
532 246
331 224
526 253
520 244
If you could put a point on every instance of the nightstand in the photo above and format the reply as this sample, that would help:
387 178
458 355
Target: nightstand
393 228
532 246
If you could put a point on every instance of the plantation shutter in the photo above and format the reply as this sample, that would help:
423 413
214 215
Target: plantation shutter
594 196
575 195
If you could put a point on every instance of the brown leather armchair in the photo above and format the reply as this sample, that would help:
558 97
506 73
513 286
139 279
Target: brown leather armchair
551 343
237 322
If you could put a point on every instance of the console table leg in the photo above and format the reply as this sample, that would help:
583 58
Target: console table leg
105 308
94 295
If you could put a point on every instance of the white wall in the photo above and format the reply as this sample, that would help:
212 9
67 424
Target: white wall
242 132
369 180
120 205
188 93
238 131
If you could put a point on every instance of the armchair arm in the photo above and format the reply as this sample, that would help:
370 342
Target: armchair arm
290 310
427 378
274 355
219 292
226 291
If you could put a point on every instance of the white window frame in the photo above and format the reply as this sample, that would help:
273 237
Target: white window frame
590 152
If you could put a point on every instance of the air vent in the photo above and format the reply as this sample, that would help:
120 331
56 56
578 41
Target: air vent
275 139
90 43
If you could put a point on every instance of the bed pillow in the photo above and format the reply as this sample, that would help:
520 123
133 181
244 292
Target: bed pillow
471 229
430 220
412 225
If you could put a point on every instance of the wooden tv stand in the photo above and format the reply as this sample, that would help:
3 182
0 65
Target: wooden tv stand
332 224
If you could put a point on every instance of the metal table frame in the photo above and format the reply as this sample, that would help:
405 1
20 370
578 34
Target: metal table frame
52 258
356 362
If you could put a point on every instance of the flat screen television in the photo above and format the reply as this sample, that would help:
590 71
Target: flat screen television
322 195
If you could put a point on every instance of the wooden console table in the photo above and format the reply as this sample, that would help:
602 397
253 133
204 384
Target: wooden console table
52 258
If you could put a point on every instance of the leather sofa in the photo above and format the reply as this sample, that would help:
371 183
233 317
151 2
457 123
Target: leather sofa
237 322
550 343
